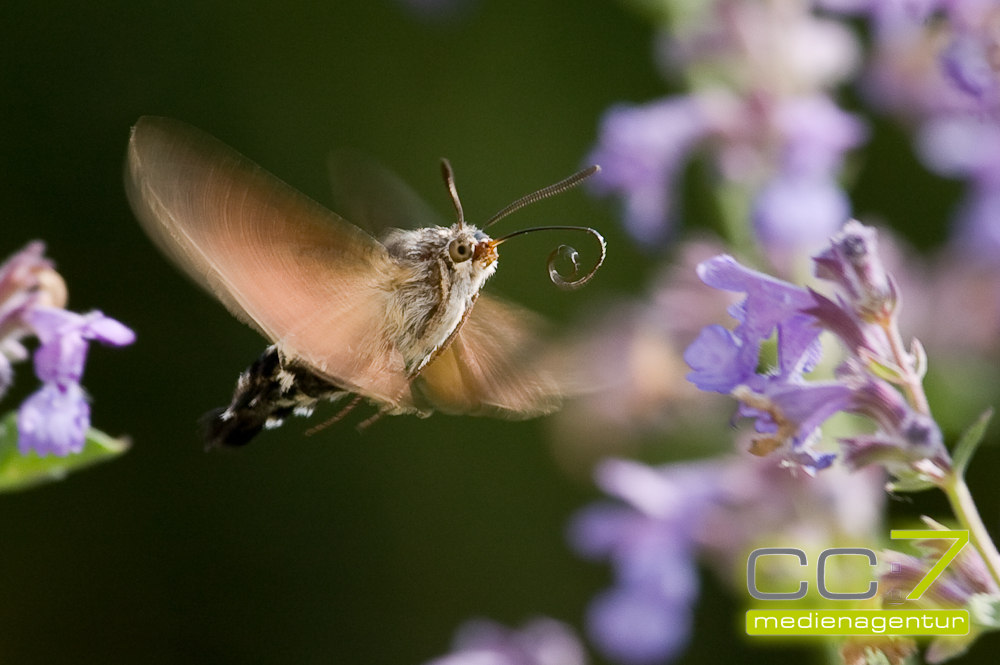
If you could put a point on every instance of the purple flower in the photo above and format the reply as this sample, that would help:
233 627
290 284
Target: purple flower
851 261
55 418
969 148
667 518
27 280
803 204
965 583
636 626
788 410
646 618
641 151
816 133
799 211
965 61
64 337
541 641
761 76
940 75
722 360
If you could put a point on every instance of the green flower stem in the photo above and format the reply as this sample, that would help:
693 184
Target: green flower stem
952 483
912 384
733 203
965 510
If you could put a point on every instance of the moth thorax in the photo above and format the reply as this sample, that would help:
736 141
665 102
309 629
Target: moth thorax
425 310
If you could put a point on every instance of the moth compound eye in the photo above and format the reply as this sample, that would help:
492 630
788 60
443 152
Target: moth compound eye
460 250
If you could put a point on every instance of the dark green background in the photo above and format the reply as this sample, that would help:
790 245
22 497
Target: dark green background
342 547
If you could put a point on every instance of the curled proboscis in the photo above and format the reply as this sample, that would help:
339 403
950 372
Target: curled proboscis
572 281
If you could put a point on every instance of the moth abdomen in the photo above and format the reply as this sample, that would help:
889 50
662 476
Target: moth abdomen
269 391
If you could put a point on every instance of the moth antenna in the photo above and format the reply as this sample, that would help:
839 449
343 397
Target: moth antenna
449 180
365 424
544 193
570 282
336 417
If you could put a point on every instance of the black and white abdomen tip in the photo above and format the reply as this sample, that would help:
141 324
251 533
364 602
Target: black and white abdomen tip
266 393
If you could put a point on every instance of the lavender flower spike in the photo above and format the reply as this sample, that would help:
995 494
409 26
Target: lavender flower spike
646 618
55 419
641 150
788 410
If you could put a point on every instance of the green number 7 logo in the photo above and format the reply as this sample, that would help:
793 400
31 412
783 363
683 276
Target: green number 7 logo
961 540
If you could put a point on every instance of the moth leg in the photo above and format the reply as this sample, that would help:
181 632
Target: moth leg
269 391
336 417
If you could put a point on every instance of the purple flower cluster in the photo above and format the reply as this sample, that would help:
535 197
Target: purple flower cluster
789 410
942 76
667 519
53 420
541 641
765 118
642 150
647 617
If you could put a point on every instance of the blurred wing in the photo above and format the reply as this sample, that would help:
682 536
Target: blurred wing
375 198
497 365
309 281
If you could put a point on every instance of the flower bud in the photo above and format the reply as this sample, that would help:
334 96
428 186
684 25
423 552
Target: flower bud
852 261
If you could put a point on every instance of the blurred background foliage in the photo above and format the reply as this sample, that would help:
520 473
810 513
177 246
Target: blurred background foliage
342 547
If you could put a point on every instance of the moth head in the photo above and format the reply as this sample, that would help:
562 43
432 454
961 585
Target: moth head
470 253
470 245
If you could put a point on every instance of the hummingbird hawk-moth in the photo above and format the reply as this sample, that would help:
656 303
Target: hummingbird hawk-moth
399 320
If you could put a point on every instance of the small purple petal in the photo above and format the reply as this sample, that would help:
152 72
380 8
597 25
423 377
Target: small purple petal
595 531
715 360
641 150
837 319
107 330
966 63
817 133
64 335
811 461
658 560
54 420
796 211
961 147
62 358
769 303
862 450
769 300
810 404
637 627
978 224
647 489
551 642
799 349
48 322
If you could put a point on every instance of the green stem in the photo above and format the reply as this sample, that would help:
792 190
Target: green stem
912 385
733 203
965 510
952 484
